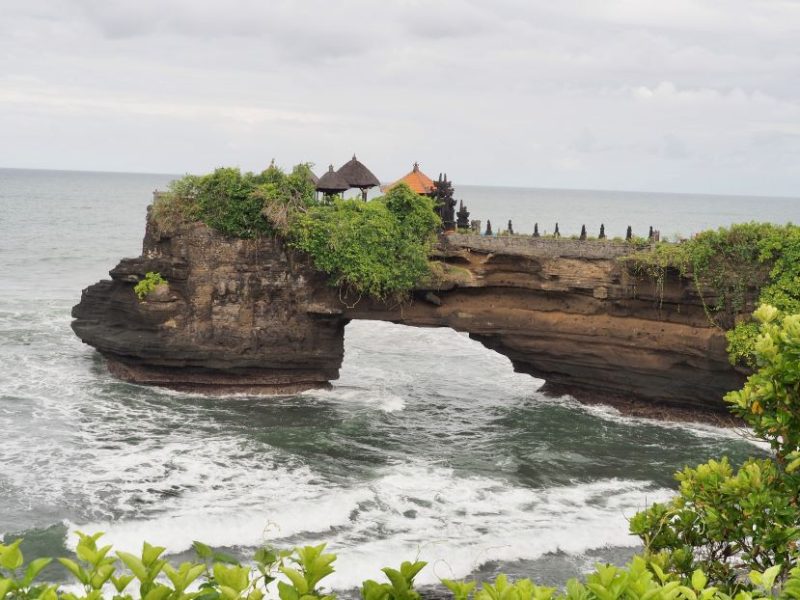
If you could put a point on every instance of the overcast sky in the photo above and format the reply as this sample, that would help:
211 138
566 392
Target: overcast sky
664 95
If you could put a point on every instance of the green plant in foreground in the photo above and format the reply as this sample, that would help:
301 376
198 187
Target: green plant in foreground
300 573
148 284
400 586
18 584
728 522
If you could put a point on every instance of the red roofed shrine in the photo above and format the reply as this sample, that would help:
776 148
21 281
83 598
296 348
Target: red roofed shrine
416 180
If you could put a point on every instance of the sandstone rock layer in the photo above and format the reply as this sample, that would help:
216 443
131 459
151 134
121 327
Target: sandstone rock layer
253 316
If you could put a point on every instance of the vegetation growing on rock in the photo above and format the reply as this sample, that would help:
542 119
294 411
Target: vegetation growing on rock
233 202
378 248
148 284
735 262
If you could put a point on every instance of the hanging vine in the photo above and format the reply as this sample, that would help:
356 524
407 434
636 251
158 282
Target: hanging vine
731 268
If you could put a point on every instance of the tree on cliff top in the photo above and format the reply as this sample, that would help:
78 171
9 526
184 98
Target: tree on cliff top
378 248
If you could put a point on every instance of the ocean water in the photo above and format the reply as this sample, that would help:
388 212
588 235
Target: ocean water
428 445
674 215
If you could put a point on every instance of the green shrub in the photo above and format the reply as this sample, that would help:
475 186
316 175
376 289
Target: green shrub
378 248
726 521
148 284
780 249
233 202
737 263
177 205
216 576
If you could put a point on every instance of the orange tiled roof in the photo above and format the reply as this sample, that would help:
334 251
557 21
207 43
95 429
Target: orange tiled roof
416 180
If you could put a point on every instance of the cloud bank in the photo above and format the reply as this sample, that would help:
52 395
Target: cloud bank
622 94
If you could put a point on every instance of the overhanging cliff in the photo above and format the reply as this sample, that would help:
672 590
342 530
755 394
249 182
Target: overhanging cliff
254 316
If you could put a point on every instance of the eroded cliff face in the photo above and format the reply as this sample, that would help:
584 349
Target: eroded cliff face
238 316
254 316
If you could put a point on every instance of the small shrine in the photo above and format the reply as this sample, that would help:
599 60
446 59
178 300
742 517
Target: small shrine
332 183
356 175
416 180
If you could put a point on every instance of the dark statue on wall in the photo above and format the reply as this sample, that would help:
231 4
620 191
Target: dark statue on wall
463 216
442 195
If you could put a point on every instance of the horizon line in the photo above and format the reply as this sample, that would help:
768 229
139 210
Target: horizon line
493 185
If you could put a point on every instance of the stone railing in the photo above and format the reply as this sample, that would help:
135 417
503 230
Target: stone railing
525 245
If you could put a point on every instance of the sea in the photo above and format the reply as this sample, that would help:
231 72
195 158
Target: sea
429 446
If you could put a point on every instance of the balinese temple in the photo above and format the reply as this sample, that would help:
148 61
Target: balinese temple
332 183
416 180
358 176
441 191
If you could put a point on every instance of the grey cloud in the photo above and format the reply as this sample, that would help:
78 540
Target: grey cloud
571 94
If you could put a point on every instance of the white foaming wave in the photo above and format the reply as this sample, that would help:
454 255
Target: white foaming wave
696 428
232 526
378 399
455 523
458 523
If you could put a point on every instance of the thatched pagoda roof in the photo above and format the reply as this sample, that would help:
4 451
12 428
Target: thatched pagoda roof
416 180
313 178
357 175
332 183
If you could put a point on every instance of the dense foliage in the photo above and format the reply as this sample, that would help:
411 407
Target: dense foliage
728 522
234 202
299 573
735 263
148 284
378 248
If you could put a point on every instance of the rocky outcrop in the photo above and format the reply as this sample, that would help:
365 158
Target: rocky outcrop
254 316
239 316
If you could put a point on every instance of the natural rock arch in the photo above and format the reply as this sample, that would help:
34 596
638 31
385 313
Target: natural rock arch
254 316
